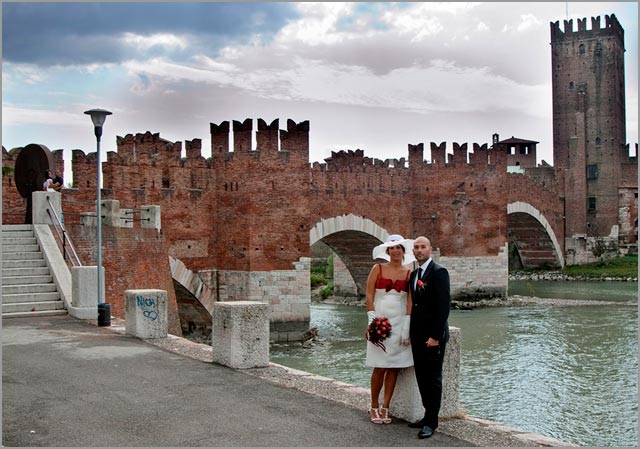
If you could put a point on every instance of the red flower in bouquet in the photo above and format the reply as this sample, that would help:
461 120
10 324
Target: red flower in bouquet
378 331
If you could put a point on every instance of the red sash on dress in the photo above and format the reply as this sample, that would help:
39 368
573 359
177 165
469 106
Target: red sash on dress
388 284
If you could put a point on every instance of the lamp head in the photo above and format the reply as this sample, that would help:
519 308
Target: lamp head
98 116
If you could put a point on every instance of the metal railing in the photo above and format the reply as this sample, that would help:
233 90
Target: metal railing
58 225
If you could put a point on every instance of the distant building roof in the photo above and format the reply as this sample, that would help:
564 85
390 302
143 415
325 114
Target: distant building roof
516 140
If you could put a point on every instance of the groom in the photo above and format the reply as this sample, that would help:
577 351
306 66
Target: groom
429 331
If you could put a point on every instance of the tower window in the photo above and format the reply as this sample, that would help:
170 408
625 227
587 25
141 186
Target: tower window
571 85
591 203
598 141
592 171
581 49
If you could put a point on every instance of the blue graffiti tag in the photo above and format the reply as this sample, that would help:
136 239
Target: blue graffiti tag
147 302
142 301
150 314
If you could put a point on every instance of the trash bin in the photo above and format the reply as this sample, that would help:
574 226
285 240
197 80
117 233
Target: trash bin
104 314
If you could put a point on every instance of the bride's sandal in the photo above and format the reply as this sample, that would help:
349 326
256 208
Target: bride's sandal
384 415
375 416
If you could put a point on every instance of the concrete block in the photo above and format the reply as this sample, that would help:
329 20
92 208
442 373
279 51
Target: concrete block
110 210
88 219
151 217
126 218
407 403
240 334
40 205
146 313
84 292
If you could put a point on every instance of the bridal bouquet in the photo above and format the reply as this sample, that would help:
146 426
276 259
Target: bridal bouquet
378 331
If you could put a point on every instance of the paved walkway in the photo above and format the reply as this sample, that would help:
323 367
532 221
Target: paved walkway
67 382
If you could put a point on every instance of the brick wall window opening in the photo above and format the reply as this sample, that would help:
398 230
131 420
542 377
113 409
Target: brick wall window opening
524 149
512 149
581 49
571 85
165 182
592 171
598 141
591 203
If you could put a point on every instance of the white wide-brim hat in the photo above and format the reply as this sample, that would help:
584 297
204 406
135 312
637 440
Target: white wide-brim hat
380 251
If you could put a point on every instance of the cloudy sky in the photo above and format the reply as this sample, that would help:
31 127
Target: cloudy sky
371 76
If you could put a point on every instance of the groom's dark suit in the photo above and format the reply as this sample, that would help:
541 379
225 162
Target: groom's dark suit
429 318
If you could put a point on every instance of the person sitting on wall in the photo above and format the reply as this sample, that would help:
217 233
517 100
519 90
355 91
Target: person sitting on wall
52 183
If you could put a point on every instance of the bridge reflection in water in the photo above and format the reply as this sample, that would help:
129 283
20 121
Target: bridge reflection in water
566 372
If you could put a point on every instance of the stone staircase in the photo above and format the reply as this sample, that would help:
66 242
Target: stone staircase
27 283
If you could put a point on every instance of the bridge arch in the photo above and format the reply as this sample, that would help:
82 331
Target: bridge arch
352 238
533 235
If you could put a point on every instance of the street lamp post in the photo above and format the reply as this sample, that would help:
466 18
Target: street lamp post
98 116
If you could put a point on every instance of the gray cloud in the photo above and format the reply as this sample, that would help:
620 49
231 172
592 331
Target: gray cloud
76 33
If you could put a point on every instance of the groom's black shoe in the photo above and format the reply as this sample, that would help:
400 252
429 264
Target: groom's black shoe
425 432
416 425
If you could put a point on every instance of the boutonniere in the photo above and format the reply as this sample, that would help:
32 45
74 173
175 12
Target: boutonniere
420 285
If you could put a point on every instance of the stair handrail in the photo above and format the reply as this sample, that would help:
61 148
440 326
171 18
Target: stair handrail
58 225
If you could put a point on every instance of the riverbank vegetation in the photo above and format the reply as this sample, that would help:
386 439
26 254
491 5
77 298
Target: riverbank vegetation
322 276
620 267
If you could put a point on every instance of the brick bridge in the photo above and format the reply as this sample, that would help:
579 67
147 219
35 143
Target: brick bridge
242 222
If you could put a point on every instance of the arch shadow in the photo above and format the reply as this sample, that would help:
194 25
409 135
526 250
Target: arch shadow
352 238
533 235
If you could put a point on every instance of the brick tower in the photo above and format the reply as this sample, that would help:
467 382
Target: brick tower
589 137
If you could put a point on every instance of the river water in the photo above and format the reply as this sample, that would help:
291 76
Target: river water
566 372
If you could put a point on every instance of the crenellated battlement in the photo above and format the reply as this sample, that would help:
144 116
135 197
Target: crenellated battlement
270 139
482 155
611 28
144 147
348 160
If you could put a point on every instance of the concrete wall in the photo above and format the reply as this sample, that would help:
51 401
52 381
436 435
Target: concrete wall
475 278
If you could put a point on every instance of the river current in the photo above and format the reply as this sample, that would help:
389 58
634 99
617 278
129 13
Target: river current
568 372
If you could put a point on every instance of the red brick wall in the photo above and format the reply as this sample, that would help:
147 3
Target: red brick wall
350 183
133 258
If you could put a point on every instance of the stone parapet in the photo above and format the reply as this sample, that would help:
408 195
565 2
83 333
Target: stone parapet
84 292
406 402
240 334
146 313
41 205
